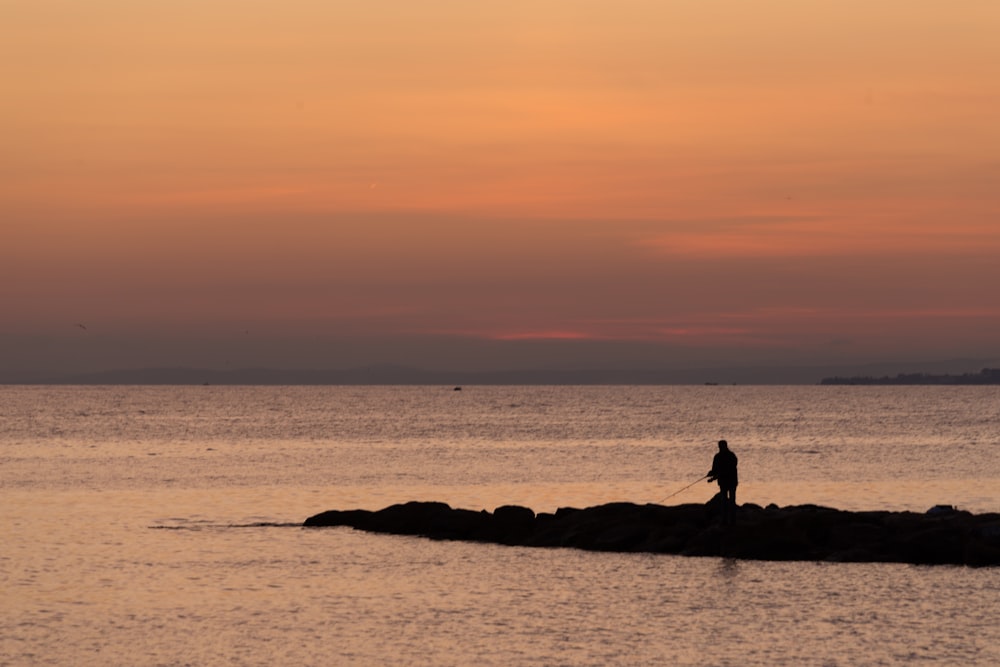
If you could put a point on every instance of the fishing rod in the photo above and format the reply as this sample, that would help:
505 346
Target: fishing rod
684 489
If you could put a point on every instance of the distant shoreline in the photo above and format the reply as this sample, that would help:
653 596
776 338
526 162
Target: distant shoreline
987 376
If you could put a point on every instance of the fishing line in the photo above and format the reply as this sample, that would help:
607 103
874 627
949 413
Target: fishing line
679 490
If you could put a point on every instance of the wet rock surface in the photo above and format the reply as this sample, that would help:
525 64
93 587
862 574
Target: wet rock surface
940 536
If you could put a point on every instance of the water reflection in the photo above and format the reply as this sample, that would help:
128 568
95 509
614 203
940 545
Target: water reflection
89 584
728 569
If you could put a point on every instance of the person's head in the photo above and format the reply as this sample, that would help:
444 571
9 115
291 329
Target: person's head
723 445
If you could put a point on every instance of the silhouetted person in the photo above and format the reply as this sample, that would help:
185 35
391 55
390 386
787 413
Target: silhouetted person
724 471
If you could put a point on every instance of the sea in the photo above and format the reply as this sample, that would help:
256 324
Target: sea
144 525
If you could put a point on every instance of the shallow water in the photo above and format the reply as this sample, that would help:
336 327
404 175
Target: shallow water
131 525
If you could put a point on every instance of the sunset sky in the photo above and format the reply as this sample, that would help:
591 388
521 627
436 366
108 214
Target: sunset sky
482 185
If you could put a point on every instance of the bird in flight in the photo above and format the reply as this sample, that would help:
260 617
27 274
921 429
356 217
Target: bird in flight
82 327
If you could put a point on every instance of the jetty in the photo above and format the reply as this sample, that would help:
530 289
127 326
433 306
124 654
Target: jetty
941 536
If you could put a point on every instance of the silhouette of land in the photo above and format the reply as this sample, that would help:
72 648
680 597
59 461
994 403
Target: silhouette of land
985 376
808 532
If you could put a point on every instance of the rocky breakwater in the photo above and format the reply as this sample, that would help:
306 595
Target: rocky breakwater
941 536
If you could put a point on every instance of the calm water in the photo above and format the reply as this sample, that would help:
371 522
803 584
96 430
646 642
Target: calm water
131 525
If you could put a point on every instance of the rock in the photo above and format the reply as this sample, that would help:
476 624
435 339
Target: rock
513 524
805 532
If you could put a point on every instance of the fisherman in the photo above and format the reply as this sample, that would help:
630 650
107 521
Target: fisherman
724 471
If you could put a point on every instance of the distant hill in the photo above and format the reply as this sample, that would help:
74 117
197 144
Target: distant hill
985 376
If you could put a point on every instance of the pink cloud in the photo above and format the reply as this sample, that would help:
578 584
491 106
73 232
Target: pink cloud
825 238
544 335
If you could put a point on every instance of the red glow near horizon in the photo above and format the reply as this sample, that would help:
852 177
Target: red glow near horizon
543 335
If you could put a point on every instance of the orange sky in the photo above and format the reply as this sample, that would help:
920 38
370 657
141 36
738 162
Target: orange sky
674 181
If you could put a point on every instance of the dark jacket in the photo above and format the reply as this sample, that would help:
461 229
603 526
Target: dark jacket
724 469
